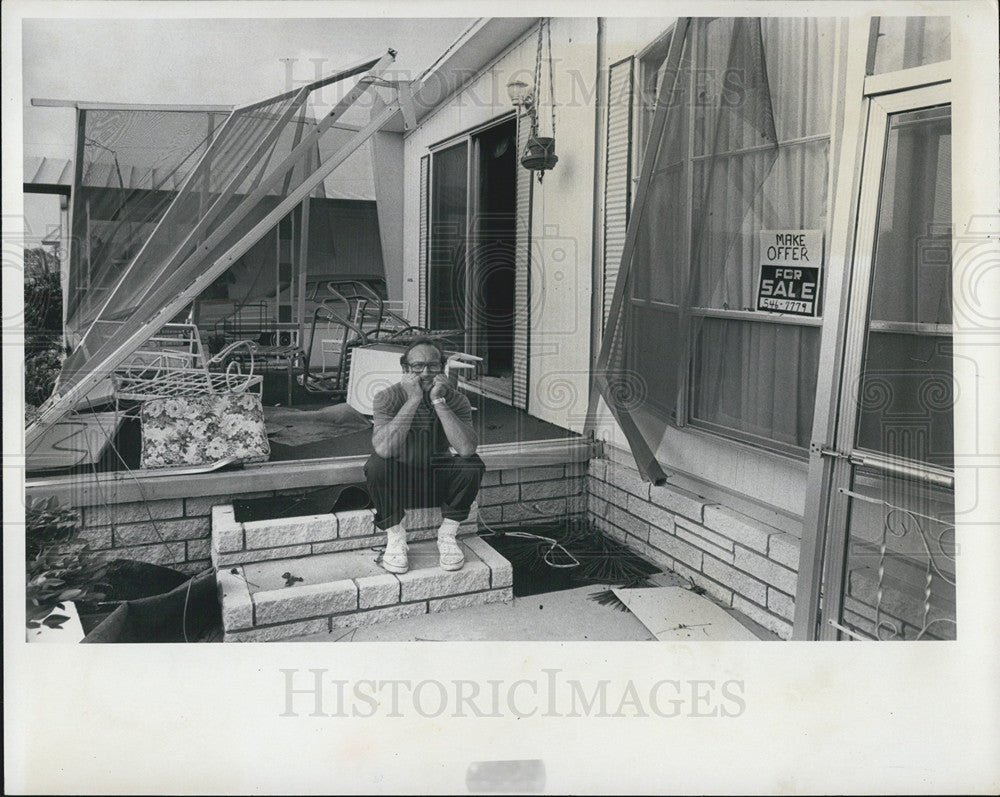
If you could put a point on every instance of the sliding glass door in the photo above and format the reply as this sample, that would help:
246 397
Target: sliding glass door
473 233
448 237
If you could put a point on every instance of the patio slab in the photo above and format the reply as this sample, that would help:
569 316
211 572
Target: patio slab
564 616
495 421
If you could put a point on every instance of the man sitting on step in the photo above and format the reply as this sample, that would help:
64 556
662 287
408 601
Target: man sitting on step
415 421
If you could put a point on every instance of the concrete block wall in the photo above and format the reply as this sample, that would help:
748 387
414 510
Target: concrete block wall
176 532
294 537
740 561
544 493
360 594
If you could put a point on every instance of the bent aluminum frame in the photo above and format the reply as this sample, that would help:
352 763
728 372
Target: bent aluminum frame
645 458
161 302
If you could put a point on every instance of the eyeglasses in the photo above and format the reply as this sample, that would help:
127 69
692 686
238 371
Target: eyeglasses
431 367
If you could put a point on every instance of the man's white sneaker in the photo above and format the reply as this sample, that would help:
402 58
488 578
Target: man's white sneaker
394 559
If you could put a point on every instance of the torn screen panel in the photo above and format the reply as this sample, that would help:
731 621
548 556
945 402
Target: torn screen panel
628 366
709 153
241 188
131 165
150 239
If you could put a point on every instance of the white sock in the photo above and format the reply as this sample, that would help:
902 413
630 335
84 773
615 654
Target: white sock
449 549
396 536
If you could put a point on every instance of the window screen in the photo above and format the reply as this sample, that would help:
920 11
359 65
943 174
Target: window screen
743 147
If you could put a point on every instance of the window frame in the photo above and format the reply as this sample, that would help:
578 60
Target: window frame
648 60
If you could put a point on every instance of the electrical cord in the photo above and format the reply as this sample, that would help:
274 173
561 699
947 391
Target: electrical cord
553 544
546 557
145 504
187 598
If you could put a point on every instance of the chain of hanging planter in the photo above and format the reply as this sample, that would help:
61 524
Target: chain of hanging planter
540 151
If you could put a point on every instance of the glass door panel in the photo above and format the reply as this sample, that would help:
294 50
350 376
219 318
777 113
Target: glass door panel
904 408
890 572
449 219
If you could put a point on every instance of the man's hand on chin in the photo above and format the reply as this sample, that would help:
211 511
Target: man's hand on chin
441 387
411 384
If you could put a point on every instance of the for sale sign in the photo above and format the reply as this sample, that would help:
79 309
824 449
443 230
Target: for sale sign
791 264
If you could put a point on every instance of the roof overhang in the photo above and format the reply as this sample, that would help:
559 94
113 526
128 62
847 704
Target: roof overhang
463 61
80 105
48 175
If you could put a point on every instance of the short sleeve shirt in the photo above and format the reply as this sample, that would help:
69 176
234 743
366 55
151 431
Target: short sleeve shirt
426 436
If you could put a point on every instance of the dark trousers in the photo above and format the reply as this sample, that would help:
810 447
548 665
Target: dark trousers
450 482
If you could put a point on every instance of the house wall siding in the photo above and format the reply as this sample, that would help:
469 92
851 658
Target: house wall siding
561 253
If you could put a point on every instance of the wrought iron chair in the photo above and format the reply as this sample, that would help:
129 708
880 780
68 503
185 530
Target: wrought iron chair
173 364
343 333
252 336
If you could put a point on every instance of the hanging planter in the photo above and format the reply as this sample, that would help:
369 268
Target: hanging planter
539 154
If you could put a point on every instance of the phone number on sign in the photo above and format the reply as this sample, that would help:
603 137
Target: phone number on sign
786 305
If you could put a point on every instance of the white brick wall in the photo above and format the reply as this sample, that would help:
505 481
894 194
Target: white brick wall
175 532
163 532
526 494
736 559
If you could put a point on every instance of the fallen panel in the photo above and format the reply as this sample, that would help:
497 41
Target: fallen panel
676 614
76 440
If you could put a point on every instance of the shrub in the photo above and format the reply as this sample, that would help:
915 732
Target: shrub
41 367
42 325
56 566
42 301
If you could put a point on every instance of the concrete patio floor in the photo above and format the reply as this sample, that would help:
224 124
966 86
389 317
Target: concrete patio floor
563 616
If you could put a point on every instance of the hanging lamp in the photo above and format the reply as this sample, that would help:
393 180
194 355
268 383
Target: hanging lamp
540 151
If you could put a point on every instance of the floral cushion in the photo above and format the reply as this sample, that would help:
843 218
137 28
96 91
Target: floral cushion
199 430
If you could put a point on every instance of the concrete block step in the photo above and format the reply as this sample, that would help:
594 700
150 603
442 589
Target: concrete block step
235 543
275 599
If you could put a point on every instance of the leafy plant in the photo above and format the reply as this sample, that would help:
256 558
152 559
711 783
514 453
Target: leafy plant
42 292
42 324
41 367
57 568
